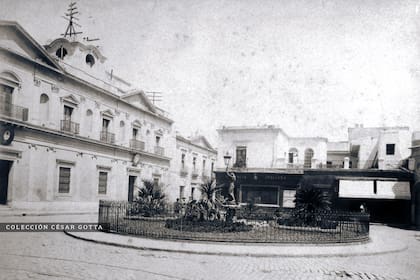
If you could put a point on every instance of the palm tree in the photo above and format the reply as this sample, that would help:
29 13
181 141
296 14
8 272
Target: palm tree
208 206
151 199
309 199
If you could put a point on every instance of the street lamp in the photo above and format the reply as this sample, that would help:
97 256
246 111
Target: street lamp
227 158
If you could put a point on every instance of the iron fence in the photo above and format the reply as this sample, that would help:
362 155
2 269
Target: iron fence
284 226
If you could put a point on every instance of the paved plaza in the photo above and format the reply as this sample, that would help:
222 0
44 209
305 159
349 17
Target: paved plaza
55 255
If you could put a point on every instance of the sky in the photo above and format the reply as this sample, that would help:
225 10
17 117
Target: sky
313 68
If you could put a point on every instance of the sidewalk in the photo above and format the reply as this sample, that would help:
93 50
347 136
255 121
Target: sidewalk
6 211
383 240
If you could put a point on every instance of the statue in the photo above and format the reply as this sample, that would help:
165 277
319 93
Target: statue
231 189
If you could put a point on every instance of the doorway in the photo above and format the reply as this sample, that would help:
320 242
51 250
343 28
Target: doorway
131 183
417 207
4 179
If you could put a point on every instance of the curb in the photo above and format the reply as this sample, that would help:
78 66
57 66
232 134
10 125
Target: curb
244 254
24 214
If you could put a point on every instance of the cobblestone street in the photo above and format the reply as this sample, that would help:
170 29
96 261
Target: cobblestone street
58 256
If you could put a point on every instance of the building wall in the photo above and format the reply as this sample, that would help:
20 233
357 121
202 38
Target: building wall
318 146
261 146
269 147
184 175
373 141
42 144
415 155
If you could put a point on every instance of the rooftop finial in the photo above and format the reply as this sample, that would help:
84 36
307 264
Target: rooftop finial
70 30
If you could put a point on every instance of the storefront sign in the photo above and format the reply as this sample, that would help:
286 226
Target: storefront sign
374 189
356 189
393 190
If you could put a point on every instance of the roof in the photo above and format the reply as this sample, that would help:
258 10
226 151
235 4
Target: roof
52 64
44 54
198 141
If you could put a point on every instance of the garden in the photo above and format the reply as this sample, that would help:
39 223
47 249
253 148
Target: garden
211 218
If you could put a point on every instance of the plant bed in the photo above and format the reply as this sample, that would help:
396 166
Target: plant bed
206 226
148 218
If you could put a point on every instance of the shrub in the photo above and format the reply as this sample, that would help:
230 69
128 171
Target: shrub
206 226
208 207
150 200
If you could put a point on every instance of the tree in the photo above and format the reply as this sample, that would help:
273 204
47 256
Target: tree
208 206
310 199
151 199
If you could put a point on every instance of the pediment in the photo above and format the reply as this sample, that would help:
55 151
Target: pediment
136 123
202 141
107 113
14 38
10 79
139 99
70 99
159 131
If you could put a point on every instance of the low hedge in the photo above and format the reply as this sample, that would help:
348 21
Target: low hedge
206 226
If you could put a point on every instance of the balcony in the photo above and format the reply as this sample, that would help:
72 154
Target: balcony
194 173
14 112
107 137
137 144
205 176
294 166
184 171
69 126
159 150
240 164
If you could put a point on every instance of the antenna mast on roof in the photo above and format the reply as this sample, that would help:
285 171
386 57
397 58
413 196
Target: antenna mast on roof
70 30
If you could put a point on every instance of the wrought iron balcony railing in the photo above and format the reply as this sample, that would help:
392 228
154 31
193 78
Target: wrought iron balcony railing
159 150
240 164
184 171
69 126
194 173
205 176
107 137
137 145
14 112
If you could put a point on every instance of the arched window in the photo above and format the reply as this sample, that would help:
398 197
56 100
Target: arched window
293 153
90 60
61 52
309 154
44 108
122 131
89 114
44 98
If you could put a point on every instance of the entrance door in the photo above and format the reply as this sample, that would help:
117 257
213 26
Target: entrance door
131 182
417 207
4 179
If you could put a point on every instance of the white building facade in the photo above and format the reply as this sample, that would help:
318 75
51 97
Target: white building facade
192 166
72 131
269 147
